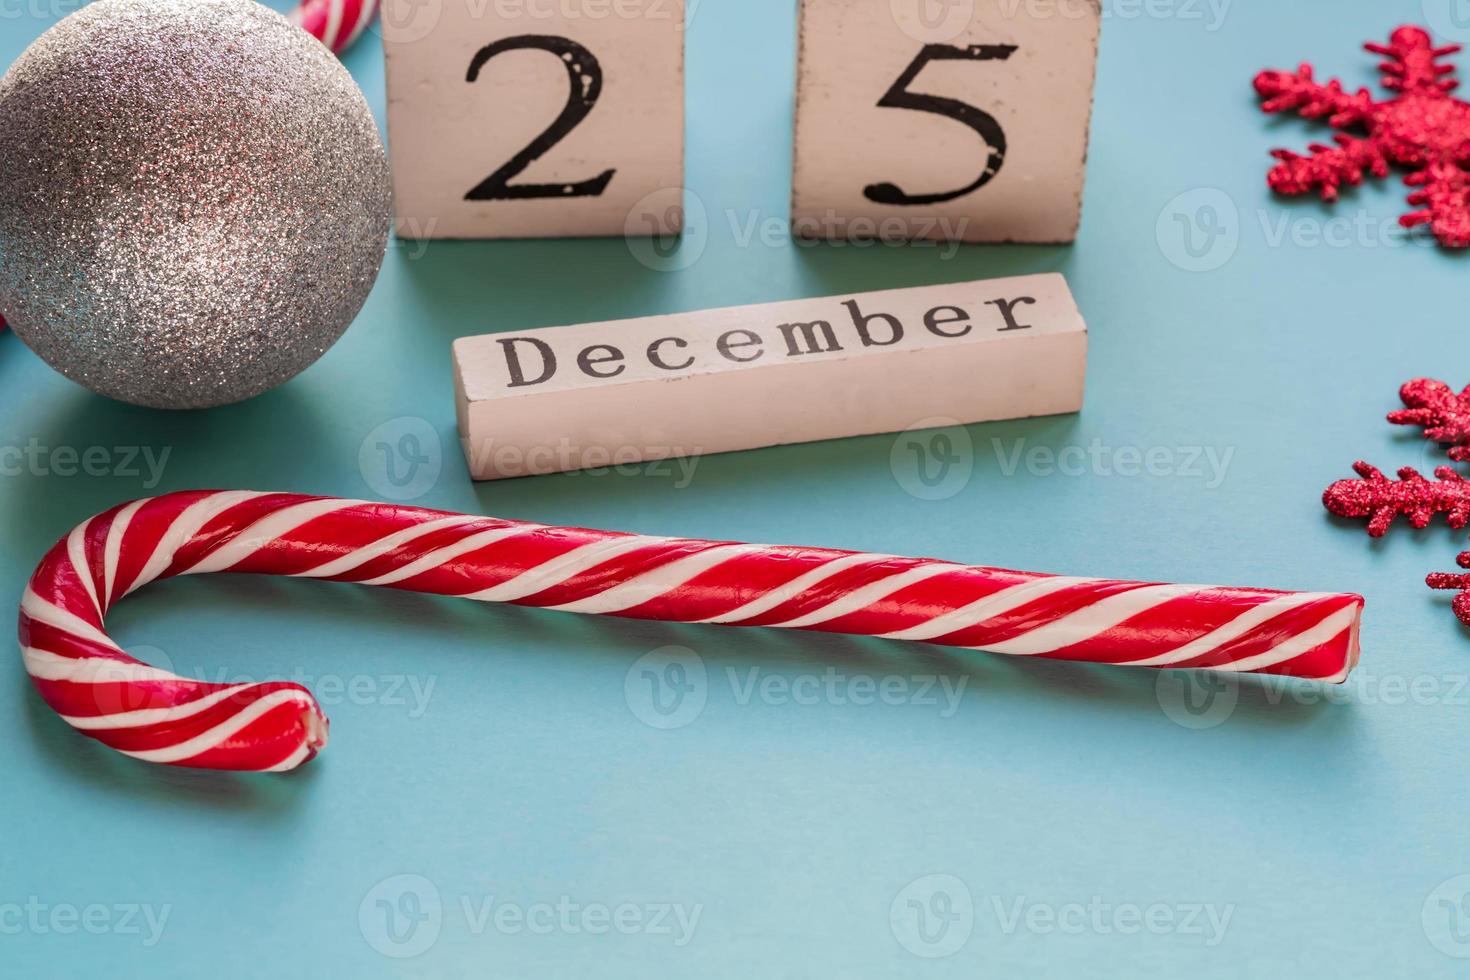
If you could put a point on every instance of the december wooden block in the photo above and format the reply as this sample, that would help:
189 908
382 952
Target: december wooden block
965 120
559 398
528 118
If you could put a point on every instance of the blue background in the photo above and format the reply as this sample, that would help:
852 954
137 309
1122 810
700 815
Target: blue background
1332 831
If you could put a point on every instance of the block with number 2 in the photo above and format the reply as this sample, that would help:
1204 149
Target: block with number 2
521 119
960 120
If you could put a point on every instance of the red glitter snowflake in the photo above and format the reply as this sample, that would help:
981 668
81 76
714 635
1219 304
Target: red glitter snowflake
1450 581
1443 414
1380 499
1423 128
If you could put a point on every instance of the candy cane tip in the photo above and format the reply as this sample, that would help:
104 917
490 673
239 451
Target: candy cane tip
313 740
1354 643
315 729
1347 623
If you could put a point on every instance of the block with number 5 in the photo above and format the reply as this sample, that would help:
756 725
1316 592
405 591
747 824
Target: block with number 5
522 119
957 120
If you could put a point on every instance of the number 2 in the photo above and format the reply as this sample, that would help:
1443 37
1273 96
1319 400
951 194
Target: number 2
898 96
584 78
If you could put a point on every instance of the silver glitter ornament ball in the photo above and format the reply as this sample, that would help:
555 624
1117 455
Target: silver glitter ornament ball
194 200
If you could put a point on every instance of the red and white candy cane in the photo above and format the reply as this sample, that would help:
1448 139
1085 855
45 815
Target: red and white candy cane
160 717
336 23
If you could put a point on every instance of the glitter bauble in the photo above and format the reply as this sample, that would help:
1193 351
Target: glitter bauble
194 200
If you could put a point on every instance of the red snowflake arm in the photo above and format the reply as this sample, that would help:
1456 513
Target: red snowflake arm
1444 415
1413 62
1449 581
1380 499
1284 90
1328 168
1444 203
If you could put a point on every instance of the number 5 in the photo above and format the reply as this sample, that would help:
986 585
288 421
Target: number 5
899 97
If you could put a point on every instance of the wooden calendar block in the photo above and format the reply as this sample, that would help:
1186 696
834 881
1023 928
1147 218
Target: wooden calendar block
675 387
535 118
956 120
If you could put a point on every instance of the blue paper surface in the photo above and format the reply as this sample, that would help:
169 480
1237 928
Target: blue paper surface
521 794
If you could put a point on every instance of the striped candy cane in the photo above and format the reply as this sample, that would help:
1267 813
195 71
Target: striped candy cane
160 717
336 23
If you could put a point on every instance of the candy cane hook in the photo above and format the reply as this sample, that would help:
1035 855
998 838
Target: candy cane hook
336 23
156 716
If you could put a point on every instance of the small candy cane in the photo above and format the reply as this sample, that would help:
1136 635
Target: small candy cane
156 716
336 23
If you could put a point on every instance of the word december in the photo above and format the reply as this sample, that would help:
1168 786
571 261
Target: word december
744 346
